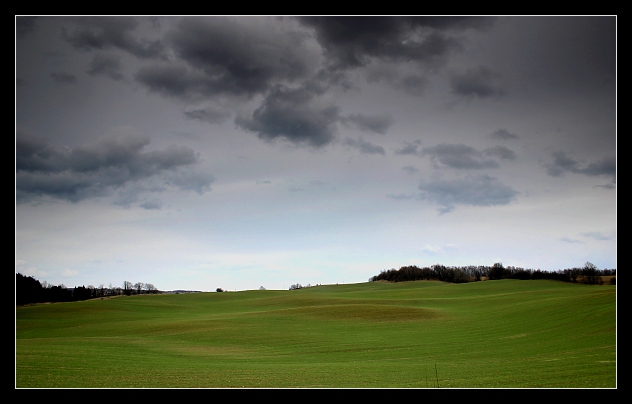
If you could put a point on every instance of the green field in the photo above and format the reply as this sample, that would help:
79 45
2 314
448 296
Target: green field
423 334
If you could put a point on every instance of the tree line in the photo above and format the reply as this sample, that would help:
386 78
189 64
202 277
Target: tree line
30 290
589 274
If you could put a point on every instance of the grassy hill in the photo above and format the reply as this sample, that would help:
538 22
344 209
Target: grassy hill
505 333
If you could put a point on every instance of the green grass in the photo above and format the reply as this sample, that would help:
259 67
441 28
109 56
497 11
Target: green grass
509 333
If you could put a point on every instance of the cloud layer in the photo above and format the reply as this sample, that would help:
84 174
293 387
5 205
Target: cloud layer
107 165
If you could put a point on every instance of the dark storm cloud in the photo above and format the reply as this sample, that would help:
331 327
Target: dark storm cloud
458 156
296 115
64 78
480 82
102 33
480 190
108 65
242 56
174 80
350 42
364 146
377 123
36 154
97 168
503 134
24 25
563 164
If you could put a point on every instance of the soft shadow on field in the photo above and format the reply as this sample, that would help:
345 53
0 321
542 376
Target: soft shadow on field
365 312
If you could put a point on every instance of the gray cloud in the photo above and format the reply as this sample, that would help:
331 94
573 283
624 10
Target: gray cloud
413 84
503 134
153 204
606 166
501 152
108 65
479 82
562 164
64 78
35 154
209 115
102 33
410 148
24 25
458 156
480 190
402 197
376 123
174 80
410 169
296 115
351 42
364 146
95 169
242 56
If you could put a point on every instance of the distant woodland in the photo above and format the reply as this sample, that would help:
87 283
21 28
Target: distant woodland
30 290
589 274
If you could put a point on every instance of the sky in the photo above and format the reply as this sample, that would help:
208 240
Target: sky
239 152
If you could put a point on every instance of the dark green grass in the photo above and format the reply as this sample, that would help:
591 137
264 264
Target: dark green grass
505 333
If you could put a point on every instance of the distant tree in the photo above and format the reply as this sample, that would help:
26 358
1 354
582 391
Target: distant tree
497 271
296 286
262 288
138 286
27 290
127 287
574 273
150 288
591 273
219 290
81 293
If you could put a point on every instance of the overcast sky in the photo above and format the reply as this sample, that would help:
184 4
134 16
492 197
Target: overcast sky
239 152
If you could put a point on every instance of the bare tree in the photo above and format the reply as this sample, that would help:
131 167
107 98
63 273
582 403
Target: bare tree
127 287
138 286
591 273
150 288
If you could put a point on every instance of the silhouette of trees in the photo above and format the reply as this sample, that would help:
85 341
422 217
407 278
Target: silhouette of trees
127 287
150 288
27 290
591 274
497 271
138 286
30 290
471 273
